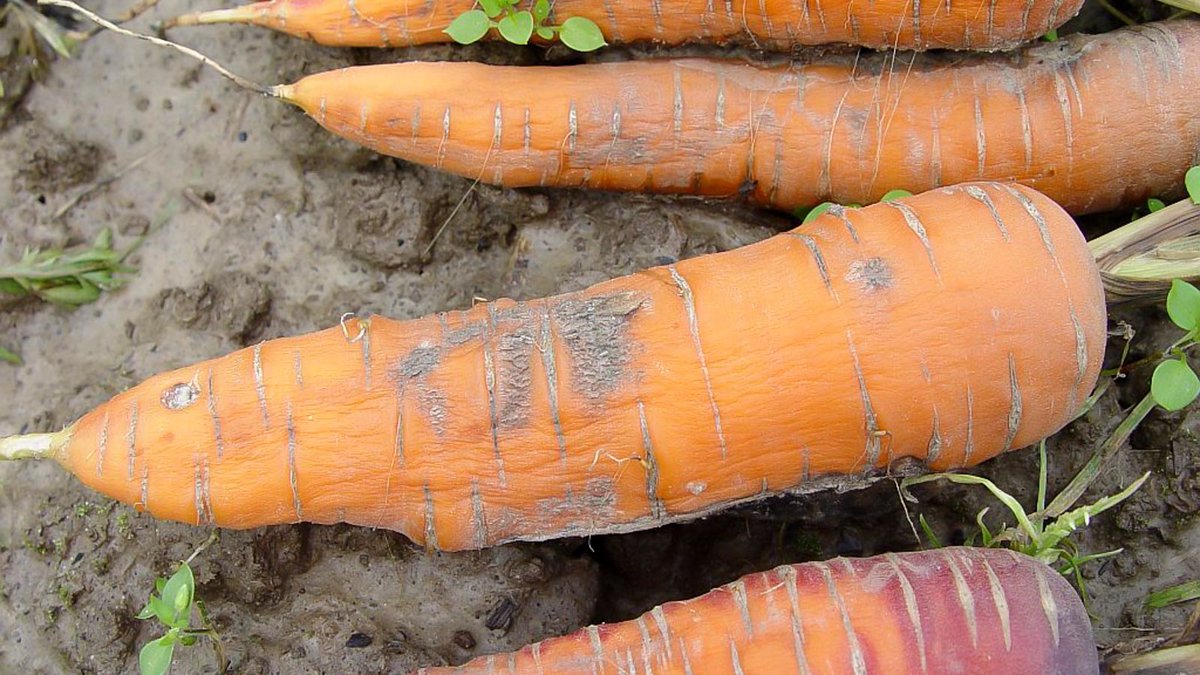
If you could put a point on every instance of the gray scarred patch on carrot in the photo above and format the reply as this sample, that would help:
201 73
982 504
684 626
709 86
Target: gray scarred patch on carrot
872 274
594 331
514 351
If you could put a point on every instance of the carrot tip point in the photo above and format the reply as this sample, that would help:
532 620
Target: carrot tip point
33 446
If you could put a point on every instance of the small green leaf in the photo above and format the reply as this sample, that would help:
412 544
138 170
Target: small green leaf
155 657
10 357
582 35
893 195
469 27
1183 305
1174 385
1192 181
1185 592
159 584
492 8
816 211
545 32
146 613
517 28
71 295
179 592
1155 204
541 11
162 611
187 640
1051 35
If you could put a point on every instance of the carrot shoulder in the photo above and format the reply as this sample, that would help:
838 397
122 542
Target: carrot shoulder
886 24
945 328
833 130
952 610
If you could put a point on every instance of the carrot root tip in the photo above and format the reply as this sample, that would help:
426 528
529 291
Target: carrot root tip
33 446
233 15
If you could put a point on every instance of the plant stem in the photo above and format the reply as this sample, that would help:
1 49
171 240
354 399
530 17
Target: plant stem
32 446
1082 480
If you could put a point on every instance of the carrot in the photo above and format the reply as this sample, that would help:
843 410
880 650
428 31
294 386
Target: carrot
944 328
884 24
951 610
1095 123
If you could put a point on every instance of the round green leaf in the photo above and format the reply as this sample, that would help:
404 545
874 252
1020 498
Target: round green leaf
155 657
179 591
1174 385
1155 204
1183 305
493 7
541 10
469 27
1192 181
1051 35
893 195
517 28
582 35
545 32
816 211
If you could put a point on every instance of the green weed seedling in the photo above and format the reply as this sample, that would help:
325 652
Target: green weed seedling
518 26
1043 534
69 279
172 603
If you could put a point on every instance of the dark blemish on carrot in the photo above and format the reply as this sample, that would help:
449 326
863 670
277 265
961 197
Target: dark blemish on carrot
871 275
465 334
595 332
419 362
179 396
514 375
578 512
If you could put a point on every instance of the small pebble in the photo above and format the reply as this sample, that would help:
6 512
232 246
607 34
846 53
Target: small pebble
358 641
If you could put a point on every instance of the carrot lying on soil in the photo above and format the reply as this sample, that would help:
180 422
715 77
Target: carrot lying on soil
1095 123
950 610
883 24
947 327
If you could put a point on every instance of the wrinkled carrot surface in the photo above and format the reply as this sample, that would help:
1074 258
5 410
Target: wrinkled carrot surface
947 611
947 327
883 24
1093 122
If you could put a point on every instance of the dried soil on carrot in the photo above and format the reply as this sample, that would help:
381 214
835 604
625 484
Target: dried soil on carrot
257 224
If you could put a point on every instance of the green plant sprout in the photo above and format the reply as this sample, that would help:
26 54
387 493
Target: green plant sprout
1043 534
35 29
518 26
172 603
807 215
1185 592
67 278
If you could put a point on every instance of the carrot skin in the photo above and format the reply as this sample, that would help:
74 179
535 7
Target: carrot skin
794 136
951 610
887 24
865 337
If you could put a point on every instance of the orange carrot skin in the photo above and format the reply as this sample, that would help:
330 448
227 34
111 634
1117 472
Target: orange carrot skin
840 131
951 610
948 328
884 24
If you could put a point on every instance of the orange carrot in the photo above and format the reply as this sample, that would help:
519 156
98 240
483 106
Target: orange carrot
797 135
951 610
883 24
944 328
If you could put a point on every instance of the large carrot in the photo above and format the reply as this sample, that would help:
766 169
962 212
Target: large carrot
882 24
952 610
1093 122
946 328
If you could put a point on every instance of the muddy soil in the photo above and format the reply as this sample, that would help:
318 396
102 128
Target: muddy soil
252 224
